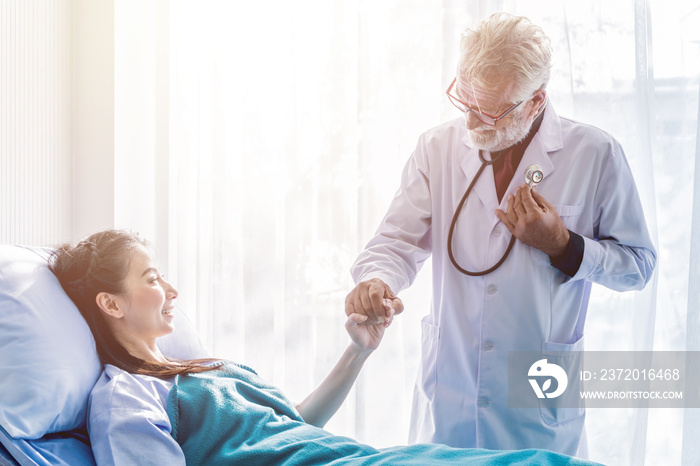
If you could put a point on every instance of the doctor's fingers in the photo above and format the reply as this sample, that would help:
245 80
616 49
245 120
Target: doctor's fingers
519 207
530 203
350 302
364 307
373 301
503 217
350 309
511 213
525 199
353 301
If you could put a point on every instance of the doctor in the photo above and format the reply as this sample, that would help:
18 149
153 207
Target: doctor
582 223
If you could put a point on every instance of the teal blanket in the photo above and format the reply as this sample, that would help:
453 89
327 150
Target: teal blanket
231 416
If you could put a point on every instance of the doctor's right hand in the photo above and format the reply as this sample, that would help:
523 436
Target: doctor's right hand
368 298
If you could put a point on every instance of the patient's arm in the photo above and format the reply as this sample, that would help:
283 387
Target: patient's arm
323 402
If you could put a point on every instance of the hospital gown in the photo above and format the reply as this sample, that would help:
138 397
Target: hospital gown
232 416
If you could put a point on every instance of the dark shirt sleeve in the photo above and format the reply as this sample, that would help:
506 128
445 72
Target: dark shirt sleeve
570 261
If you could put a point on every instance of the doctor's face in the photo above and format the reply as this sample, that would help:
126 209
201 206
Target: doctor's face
147 300
508 131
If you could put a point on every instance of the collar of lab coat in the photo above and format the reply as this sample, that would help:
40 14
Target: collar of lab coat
547 139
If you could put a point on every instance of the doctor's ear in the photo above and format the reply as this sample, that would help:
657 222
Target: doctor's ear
538 100
107 302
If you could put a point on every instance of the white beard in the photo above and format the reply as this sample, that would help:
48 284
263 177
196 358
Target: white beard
498 139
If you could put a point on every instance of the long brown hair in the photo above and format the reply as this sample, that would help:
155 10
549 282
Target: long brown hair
100 263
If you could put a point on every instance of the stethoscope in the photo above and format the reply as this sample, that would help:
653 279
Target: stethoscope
533 176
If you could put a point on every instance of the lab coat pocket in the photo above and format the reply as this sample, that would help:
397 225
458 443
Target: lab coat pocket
567 405
429 350
569 214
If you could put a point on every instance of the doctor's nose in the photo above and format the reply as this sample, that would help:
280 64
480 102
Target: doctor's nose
472 121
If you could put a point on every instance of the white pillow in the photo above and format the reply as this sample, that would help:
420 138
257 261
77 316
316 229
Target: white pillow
184 342
48 361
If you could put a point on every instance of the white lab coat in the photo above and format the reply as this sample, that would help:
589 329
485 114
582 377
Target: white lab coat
461 393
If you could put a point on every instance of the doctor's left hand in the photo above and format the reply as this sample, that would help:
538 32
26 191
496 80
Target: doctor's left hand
535 222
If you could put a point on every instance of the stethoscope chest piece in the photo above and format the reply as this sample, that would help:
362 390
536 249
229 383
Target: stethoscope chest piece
533 175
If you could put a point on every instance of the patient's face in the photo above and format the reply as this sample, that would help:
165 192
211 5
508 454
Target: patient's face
148 300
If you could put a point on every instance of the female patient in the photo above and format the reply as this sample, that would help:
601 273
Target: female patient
149 409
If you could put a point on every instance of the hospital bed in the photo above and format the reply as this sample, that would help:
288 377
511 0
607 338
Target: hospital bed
5 458
48 366
48 363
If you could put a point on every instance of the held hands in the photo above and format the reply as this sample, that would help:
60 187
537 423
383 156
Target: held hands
374 299
370 308
366 336
535 222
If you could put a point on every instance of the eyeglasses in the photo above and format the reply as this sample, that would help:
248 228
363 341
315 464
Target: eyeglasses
484 117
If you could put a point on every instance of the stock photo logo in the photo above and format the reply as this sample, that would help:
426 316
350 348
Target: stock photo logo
541 369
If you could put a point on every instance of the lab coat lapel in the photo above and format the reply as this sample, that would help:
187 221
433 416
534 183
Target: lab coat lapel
547 139
549 133
534 154
485 188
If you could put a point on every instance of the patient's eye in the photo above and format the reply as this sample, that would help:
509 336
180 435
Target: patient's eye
156 278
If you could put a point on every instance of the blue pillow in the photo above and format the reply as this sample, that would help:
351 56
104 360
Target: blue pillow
48 361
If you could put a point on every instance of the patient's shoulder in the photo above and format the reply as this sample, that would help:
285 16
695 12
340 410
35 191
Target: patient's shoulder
119 389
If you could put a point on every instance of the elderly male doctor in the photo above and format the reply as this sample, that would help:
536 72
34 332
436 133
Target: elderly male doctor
582 223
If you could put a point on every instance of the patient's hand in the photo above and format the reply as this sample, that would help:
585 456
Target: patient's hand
367 336
320 405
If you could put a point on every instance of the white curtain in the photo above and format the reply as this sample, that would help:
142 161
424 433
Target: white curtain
35 122
290 122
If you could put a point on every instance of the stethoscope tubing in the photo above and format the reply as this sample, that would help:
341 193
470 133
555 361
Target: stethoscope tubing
484 163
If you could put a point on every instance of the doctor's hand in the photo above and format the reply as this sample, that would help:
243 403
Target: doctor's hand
535 222
374 299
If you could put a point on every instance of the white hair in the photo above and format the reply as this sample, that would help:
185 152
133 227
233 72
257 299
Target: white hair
506 49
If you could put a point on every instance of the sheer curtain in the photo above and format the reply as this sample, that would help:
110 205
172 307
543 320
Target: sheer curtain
290 123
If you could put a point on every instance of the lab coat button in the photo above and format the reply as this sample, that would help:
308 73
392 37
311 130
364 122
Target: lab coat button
492 289
497 232
487 345
483 402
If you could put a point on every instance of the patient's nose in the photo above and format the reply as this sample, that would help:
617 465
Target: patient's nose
171 291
